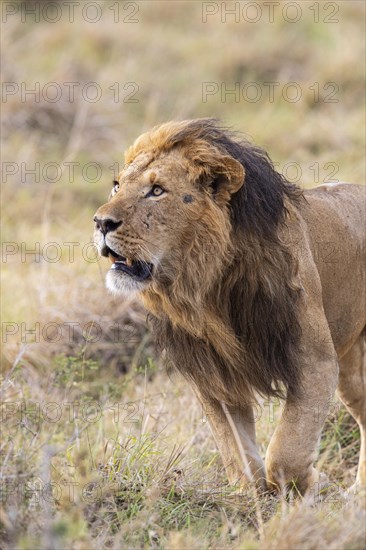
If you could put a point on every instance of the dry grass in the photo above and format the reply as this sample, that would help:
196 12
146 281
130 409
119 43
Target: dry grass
132 440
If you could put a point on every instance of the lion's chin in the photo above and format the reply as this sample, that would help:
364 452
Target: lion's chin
121 283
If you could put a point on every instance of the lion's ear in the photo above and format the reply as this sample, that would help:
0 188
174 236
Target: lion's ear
227 176
212 169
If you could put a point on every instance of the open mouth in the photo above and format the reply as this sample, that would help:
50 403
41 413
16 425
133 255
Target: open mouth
138 270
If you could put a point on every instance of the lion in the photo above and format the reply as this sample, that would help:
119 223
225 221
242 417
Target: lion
254 288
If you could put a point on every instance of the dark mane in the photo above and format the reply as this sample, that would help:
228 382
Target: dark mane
259 206
256 298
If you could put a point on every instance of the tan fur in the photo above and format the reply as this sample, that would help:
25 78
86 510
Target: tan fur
256 289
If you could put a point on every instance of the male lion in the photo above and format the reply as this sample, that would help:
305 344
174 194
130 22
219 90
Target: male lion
253 286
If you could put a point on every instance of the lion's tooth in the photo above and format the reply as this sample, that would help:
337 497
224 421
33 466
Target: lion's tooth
112 258
128 262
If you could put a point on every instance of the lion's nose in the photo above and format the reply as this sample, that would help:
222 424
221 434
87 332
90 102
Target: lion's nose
106 224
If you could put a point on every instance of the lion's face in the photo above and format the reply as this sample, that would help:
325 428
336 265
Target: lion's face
167 221
147 221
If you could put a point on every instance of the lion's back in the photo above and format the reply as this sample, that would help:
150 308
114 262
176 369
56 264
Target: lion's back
336 220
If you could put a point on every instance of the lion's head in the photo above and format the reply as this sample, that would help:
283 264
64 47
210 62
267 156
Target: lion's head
192 224
168 211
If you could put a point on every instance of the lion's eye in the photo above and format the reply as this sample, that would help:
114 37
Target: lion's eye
156 191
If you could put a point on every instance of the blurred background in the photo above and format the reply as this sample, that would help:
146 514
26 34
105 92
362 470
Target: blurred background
80 81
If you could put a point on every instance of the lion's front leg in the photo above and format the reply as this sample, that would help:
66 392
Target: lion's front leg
293 448
233 429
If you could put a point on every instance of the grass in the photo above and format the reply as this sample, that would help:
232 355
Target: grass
89 406
134 466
